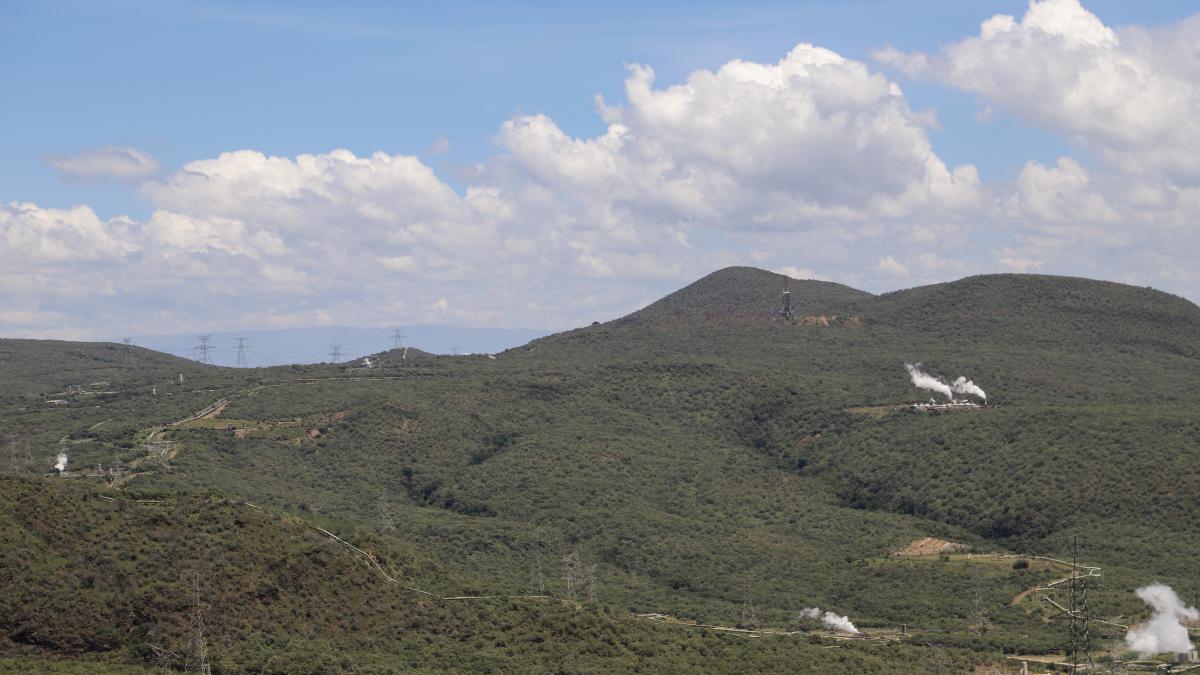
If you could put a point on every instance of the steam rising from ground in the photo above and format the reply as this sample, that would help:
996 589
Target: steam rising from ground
61 464
1164 632
929 382
964 386
926 381
830 619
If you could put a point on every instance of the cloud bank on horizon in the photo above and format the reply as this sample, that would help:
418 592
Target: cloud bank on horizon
815 165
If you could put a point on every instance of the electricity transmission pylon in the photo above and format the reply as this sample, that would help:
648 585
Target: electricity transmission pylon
197 658
537 578
398 337
1076 613
749 615
336 353
573 574
241 352
204 348
979 617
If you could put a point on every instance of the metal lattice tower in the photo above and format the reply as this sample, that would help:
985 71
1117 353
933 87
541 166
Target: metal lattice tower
979 615
572 574
127 340
336 353
197 658
940 665
749 615
537 578
1076 612
785 303
386 522
204 348
398 337
591 584
241 352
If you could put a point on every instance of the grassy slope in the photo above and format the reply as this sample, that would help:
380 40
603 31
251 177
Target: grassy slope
695 444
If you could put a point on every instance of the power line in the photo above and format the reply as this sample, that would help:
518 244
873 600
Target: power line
241 352
204 348
335 351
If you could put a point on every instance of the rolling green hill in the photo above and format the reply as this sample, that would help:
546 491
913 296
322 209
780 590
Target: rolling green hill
38 367
751 292
1038 309
97 583
701 459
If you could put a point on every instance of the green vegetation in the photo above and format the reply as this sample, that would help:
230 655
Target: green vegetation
100 579
694 453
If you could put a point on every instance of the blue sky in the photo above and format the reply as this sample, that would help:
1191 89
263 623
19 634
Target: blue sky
187 81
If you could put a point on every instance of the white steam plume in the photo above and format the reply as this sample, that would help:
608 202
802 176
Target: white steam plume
964 386
926 381
840 623
1164 632
61 464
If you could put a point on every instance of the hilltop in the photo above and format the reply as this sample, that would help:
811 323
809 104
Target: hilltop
702 458
748 292
983 309
1045 309
31 367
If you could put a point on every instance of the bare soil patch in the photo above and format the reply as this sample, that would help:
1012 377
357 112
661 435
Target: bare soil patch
929 546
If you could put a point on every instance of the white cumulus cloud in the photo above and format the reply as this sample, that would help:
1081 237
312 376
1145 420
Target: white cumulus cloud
1131 95
1129 100
811 140
30 235
1063 193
